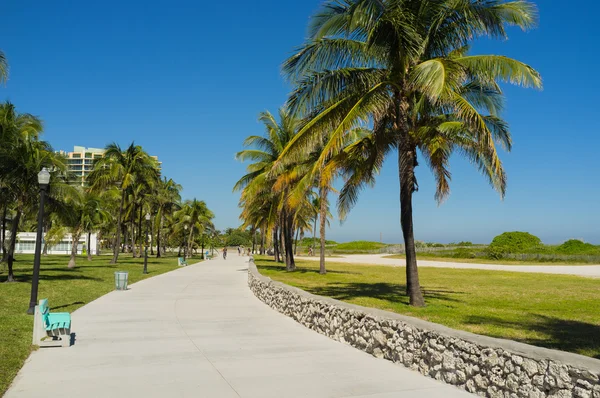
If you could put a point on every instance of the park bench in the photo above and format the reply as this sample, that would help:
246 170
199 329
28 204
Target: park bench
51 329
181 262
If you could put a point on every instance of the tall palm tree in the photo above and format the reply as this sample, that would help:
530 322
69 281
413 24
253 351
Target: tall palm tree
122 170
402 68
22 156
166 199
272 187
195 215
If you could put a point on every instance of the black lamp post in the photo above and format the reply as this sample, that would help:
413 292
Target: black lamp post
146 243
44 181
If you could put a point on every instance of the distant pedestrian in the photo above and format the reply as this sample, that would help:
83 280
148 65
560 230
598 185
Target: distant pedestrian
224 253
239 251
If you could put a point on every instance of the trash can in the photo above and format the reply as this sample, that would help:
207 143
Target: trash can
121 280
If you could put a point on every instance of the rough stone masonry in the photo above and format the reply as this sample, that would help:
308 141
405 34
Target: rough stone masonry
482 365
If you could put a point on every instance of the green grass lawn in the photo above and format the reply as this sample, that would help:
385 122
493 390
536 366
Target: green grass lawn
66 289
482 260
554 311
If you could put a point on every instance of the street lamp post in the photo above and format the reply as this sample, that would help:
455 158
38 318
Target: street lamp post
146 243
44 181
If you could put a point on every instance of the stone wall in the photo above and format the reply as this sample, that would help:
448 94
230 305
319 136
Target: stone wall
482 365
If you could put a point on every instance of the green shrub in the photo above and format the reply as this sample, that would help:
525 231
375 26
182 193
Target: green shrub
514 242
464 243
575 246
309 241
360 245
433 244
463 253
495 253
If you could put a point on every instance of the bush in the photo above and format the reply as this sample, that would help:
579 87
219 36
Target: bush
463 253
464 243
238 238
495 253
575 246
433 244
514 242
308 241
360 245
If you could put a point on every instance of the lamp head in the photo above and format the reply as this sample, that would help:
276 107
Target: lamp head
147 216
44 177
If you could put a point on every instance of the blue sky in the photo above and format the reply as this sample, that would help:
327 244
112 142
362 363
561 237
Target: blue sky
186 80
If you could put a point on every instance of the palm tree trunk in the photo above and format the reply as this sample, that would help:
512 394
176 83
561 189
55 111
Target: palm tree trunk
118 237
141 238
158 236
296 242
89 246
315 234
4 233
132 225
323 216
76 234
407 160
12 243
276 244
189 245
262 240
152 237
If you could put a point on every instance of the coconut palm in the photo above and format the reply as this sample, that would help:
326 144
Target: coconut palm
22 156
122 170
403 69
195 215
263 187
166 200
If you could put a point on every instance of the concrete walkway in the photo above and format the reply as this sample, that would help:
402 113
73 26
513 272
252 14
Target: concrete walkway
200 332
590 271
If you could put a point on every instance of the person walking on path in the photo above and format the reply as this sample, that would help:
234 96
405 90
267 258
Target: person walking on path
224 253
239 250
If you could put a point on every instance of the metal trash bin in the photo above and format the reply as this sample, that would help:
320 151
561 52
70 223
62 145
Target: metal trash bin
121 280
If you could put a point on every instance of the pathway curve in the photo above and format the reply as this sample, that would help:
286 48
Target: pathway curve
200 332
590 271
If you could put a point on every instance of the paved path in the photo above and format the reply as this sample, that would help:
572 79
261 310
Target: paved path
590 271
200 332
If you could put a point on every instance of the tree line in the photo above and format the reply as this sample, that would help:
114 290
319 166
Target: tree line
376 79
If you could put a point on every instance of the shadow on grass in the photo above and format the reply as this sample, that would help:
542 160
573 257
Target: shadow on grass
59 277
394 293
562 334
300 270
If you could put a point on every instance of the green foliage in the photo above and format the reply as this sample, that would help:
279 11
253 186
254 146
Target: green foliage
311 241
514 242
463 253
238 238
495 253
359 245
575 246
465 243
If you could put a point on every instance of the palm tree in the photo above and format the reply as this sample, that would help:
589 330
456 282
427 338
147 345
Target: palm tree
123 170
22 156
403 69
195 215
271 188
166 199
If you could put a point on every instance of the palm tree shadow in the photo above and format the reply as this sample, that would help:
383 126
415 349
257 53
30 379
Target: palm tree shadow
555 333
394 293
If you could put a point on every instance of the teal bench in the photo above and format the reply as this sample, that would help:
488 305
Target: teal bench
181 261
51 329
